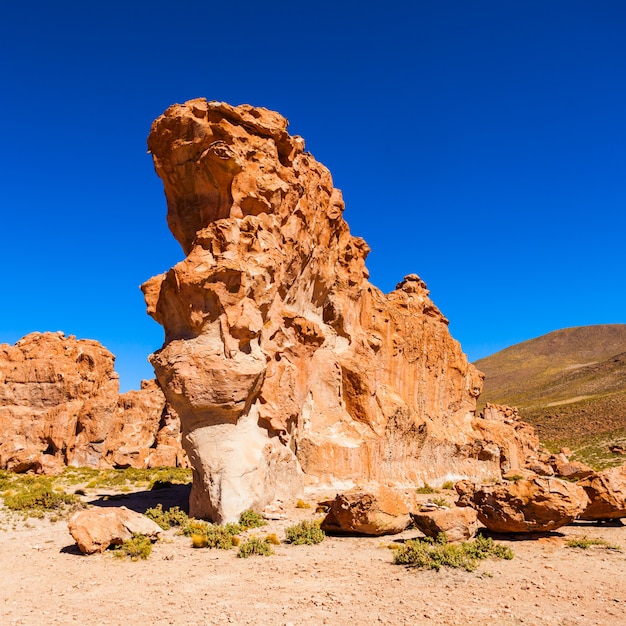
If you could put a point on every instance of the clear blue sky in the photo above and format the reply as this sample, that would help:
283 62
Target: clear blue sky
479 144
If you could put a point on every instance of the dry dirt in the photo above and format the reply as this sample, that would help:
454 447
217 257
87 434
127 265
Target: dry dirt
344 580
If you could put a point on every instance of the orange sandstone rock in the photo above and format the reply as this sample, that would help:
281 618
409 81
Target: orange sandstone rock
58 397
60 405
284 363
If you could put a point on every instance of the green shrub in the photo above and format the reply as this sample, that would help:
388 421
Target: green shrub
449 484
251 519
157 477
255 546
426 489
34 495
429 554
174 516
585 543
439 501
206 535
305 533
138 547
301 504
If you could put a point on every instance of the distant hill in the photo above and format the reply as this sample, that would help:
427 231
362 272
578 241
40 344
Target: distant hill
570 384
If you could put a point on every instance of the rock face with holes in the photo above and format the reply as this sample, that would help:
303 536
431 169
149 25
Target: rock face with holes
60 405
285 364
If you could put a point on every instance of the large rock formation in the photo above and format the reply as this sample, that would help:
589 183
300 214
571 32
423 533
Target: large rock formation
60 405
58 397
283 361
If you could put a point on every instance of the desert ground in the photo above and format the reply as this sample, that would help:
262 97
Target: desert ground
343 580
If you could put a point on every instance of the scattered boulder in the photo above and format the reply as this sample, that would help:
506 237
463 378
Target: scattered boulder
96 529
606 491
58 397
382 513
285 364
523 506
570 470
459 524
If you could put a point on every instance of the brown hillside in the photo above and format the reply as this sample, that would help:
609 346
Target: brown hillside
571 384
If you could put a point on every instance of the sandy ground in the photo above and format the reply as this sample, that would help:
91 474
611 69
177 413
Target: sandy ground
344 580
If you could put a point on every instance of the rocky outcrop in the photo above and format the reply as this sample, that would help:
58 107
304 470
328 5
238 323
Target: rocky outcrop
60 405
95 530
145 432
607 494
526 505
284 363
458 523
58 397
382 513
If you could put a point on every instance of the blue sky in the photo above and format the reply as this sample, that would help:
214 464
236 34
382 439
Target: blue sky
479 144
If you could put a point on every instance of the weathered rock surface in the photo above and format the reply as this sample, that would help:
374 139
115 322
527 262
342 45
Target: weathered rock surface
60 405
145 432
526 505
284 363
607 494
96 529
382 513
458 523
570 470
58 397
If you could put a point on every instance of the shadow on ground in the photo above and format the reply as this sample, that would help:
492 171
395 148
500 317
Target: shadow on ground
140 501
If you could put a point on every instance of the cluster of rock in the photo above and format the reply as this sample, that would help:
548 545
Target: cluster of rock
539 503
285 364
525 503
60 405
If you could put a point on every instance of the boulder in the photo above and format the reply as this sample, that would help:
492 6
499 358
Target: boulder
528 505
382 513
96 529
286 365
606 491
570 470
459 524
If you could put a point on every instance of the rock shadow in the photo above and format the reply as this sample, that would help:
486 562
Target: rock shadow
139 501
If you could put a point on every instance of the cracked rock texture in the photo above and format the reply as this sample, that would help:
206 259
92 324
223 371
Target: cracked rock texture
285 364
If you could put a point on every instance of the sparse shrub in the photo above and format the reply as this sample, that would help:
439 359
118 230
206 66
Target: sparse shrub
140 477
205 535
514 478
439 501
301 504
449 484
251 519
587 542
273 539
138 547
305 533
255 546
435 554
174 516
426 489
35 495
